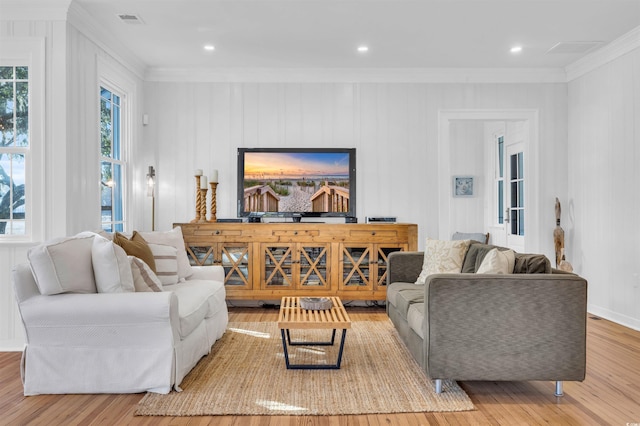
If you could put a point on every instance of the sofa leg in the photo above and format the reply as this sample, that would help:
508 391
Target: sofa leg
559 388
438 385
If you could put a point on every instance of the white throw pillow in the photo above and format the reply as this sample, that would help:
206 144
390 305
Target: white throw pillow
172 238
442 256
111 267
143 277
64 265
497 262
166 260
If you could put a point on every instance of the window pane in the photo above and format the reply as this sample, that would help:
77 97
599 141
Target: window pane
520 166
521 193
12 200
22 114
22 73
514 167
6 113
501 155
105 128
514 194
521 223
116 132
500 202
117 192
6 73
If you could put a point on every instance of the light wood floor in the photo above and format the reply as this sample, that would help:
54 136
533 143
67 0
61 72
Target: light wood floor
610 394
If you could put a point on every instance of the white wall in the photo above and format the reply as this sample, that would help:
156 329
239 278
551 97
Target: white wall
601 223
394 127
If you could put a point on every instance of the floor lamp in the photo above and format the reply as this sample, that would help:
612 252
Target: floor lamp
151 183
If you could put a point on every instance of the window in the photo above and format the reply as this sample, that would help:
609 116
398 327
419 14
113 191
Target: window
112 166
499 180
14 149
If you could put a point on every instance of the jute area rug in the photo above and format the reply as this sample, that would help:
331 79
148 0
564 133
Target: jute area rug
245 374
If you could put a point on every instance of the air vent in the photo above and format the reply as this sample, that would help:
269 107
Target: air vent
127 18
575 47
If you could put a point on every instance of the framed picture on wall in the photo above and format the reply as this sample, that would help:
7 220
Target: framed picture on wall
463 186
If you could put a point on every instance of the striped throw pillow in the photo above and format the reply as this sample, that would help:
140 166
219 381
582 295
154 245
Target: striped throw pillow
166 259
143 277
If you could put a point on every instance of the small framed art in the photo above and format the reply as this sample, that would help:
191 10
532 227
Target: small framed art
463 186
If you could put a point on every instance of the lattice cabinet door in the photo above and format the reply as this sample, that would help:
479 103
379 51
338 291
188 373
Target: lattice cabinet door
314 266
356 267
277 266
382 255
235 260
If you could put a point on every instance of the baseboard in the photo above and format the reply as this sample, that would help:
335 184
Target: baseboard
614 316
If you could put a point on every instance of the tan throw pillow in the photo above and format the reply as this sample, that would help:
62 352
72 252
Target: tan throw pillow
442 256
143 277
166 263
136 246
497 262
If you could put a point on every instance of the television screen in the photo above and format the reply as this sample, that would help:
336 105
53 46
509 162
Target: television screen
291 181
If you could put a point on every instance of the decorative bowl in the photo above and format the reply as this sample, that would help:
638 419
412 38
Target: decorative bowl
315 303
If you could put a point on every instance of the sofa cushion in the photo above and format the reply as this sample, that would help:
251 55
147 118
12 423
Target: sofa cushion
172 238
144 279
474 236
415 318
111 267
166 260
441 256
532 264
394 288
406 298
197 300
136 246
497 262
64 265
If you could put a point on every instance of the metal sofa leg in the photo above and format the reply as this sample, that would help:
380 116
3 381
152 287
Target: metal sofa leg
438 385
559 388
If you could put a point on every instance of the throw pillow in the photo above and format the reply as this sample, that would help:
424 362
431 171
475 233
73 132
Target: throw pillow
143 277
166 263
498 262
64 265
136 246
172 238
442 256
111 267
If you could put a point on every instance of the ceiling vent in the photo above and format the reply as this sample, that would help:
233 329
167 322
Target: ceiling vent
581 47
128 18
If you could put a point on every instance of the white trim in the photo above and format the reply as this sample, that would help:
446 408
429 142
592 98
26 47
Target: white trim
356 75
30 51
34 10
444 162
616 317
87 25
606 54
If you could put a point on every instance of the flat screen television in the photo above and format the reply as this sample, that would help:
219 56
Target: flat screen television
297 182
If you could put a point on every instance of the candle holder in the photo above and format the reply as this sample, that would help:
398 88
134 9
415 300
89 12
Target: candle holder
198 200
203 205
214 187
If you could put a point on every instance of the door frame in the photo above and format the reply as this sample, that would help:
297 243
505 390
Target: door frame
532 191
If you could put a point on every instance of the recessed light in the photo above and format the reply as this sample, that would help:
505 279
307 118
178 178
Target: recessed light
209 47
363 49
516 49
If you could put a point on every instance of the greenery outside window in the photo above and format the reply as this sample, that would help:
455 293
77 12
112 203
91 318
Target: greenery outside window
14 149
112 165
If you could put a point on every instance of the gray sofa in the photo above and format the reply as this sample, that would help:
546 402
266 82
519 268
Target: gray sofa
529 325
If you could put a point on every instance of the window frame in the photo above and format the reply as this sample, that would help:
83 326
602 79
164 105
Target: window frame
115 81
30 52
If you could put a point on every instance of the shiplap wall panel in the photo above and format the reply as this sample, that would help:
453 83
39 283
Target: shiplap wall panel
604 135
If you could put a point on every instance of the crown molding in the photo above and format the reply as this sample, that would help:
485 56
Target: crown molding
34 10
358 75
87 25
618 47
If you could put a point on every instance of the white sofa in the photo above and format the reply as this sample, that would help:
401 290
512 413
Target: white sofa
80 341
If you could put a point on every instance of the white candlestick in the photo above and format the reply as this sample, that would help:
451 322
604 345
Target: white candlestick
214 176
203 182
198 172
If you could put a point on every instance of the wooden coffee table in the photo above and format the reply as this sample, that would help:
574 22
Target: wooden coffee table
292 316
